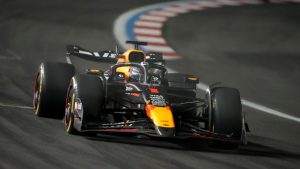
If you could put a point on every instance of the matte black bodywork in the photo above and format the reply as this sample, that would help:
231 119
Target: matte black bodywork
124 108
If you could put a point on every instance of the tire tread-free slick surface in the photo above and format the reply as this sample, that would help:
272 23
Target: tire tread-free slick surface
91 94
226 112
55 80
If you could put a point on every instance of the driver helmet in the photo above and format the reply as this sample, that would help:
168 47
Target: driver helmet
136 74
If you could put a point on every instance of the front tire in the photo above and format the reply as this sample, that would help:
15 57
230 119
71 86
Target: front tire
84 102
69 109
226 115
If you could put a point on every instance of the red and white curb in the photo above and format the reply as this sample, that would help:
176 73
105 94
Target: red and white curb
145 24
148 21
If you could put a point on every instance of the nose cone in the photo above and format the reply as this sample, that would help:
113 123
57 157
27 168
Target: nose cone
161 116
165 132
163 120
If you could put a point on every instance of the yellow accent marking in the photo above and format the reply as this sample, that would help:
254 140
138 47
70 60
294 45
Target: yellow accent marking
69 125
162 117
125 70
71 119
126 54
72 103
192 78
37 109
132 50
94 70
126 122
41 83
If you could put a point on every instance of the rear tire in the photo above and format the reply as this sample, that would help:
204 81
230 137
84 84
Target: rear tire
226 115
50 89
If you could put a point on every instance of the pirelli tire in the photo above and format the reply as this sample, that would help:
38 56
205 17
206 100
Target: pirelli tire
50 88
84 102
227 115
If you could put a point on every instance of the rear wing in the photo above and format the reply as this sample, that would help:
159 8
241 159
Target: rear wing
102 56
109 56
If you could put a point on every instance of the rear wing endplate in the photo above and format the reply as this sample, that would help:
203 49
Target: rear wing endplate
102 56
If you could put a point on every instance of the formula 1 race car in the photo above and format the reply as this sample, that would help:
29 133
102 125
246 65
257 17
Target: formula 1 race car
136 95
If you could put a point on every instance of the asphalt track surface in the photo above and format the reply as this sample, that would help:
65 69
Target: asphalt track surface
253 48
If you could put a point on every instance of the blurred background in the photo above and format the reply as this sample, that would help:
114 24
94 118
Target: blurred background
253 47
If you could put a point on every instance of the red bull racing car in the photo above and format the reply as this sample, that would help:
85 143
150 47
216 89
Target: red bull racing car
136 95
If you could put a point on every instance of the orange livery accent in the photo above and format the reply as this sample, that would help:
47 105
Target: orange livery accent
193 78
128 53
125 70
135 94
161 116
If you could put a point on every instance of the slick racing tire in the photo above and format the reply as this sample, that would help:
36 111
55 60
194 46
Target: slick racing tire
50 89
84 102
226 115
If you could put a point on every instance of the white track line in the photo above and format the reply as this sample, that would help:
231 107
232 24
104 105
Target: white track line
11 55
15 106
122 36
269 110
